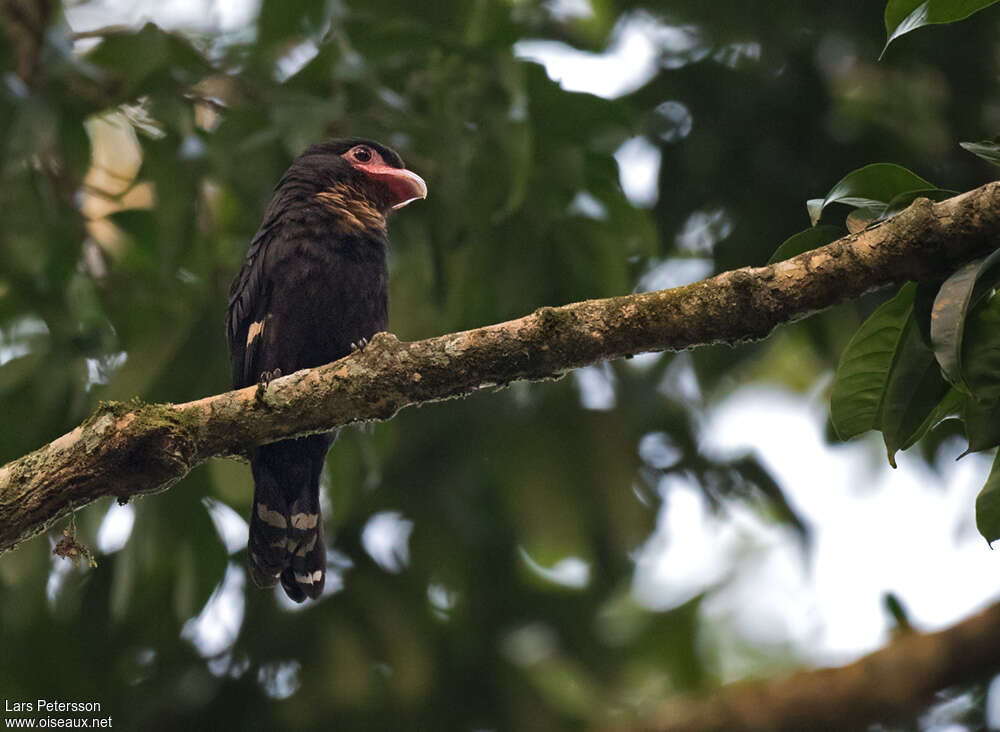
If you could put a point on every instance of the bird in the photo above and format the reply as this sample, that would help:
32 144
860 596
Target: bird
313 288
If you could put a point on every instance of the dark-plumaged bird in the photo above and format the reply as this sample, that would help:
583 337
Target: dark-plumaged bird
313 287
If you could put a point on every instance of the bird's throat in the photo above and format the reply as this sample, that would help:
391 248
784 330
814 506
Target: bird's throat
356 215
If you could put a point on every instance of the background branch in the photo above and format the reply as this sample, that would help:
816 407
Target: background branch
891 683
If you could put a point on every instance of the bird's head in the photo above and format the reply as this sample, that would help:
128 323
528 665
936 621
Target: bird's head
355 165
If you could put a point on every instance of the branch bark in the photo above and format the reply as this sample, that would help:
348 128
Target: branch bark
125 449
889 684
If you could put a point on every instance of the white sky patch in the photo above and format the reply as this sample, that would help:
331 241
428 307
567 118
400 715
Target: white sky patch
683 556
639 171
281 679
658 450
222 15
673 272
293 61
231 527
325 504
643 361
944 715
17 338
680 381
875 530
586 205
228 665
116 528
337 565
703 229
673 121
442 599
597 387
386 538
569 9
582 71
217 626
639 46
142 665
393 98
192 148
61 568
572 572
628 63
735 55
530 644
234 15
14 350
100 370
993 704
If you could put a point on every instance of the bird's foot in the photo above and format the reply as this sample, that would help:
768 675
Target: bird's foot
266 377
359 345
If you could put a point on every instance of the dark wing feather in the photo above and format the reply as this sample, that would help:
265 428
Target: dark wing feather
248 303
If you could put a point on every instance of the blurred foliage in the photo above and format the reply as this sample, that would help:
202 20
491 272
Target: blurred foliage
133 171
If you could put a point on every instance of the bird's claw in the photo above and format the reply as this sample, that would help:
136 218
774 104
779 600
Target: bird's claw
359 345
266 377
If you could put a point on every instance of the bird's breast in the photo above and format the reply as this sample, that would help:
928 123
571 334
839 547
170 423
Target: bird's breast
335 289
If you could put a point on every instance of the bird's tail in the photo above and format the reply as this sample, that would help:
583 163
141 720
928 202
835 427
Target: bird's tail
286 528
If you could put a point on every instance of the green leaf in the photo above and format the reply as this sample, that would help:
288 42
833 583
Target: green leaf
19 370
889 380
751 470
903 200
874 211
988 150
894 606
913 389
865 366
988 505
961 292
923 306
865 216
949 406
981 351
796 244
814 207
871 212
982 424
869 186
903 16
148 59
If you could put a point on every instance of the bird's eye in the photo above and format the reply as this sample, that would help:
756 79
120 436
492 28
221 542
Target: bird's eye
363 154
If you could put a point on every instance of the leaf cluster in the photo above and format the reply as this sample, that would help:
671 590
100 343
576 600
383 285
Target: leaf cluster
929 353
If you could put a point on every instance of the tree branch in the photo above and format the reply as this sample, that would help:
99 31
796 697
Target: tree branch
889 684
128 449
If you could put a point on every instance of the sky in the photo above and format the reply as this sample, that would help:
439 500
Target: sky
909 531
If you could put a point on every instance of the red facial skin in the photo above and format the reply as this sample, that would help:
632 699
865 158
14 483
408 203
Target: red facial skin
404 185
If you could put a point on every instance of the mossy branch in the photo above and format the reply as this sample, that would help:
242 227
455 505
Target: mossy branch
128 449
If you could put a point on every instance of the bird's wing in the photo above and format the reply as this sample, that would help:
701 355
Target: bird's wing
248 306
